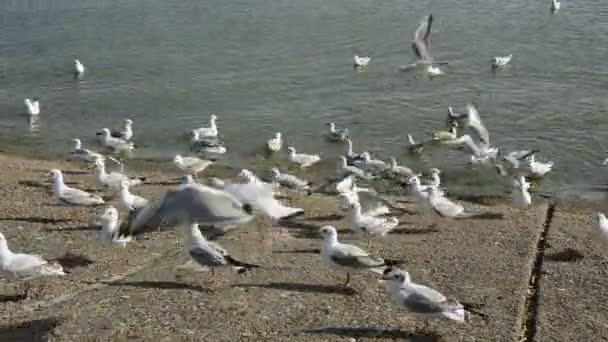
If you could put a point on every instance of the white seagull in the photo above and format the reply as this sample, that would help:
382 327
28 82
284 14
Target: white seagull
399 170
109 228
126 133
603 223
32 107
419 299
555 6
538 169
345 257
206 132
442 205
112 179
422 45
130 201
115 144
337 134
344 168
78 68
289 181
361 61
369 225
520 197
302 159
191 165
413 147
368 163
84 154
70 195
501 62
275 144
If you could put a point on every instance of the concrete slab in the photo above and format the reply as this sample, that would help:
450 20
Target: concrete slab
573 296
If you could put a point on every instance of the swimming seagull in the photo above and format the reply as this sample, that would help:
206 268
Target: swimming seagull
115 144
113 179
289 181
422 45
192 203
337 134
70 195
368 163
501 62
352 156
130 201
78 68
209 254
345 257
603 223
21 266
84 154
127 131
206 132
555 6
275 144
191 165
32 107
361 61
420 299
399 170
454 117
302 159
446 136
201 144
413 147
109 228
520 196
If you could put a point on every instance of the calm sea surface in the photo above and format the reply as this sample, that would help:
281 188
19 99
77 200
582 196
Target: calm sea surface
276 65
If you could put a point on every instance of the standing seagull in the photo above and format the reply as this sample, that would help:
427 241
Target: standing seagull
115 144
191 165
345 257
71 195
422 45
127 131
420 299
207 253
78 68
109 228
603 223
520 196
32 107
22 266
130 201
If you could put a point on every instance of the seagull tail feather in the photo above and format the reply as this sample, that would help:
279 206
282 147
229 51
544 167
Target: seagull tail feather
241 264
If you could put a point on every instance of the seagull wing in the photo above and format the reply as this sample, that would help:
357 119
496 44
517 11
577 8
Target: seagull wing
422 39
474 122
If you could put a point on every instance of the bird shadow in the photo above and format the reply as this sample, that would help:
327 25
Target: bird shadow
411 231
71 261
307 288
34 184
299 251
77 228
566 255
34 330
12 298
166 285
376 332
488 200
332 217
486 216
44 220
306 230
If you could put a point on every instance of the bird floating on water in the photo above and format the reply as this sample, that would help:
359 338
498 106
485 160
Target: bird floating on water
115 144
337 134
32 107
501 62
78 68
302 159
275 144
555 6
191 165
126 133
360 62
211 131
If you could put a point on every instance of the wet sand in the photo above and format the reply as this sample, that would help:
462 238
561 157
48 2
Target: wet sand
491 263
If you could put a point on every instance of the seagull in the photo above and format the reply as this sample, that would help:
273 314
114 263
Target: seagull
70 195
555 6
444 136
435 179
603 223
275 144
370 225
207 132
192 203
112 179
348 198
344 168
191 165
520 197
419 191
479 154
126 133
83 154
209 254
538 169
474 123
304 160
501 62
442 205
369 163
360 62
21 266
289 181
454 117
337 134
130 201
399 170
413 147
513 158
345 257
32 107
78 68
260 196
109 228
115 144
422 45
202 144
420 299
350 155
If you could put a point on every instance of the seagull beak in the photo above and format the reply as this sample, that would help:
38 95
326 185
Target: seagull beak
98 133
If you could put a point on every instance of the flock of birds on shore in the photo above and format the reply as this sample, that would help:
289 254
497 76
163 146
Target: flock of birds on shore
221 204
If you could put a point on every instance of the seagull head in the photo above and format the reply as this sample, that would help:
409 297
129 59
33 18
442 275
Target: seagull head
213 118
435 171
277 135
275 171
178 159
109 214
246 174
104 131
396 275
54 174
77 143
328 232
128 122
291 151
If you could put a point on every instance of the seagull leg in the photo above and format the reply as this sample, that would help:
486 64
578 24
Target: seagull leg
27 293
347 282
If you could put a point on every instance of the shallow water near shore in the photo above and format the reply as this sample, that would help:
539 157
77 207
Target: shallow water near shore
286 66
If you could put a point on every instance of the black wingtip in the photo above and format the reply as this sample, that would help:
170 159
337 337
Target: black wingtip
392 262
237 263
296 214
